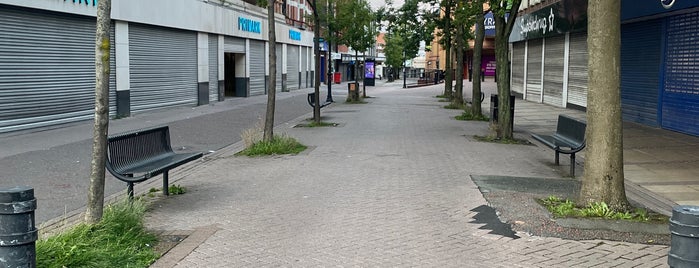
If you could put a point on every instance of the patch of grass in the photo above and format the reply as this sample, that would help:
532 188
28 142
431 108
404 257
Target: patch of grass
455 106
442 96
176 189
499 140
279 145
566 208
119 240
468 116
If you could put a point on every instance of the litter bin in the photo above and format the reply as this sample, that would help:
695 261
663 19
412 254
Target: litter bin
337 78
17 231
684 227
494 110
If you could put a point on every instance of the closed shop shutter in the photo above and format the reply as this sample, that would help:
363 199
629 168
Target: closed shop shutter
257 67
577 69
213 68
304 67
163 67
292 67
553 70
680 107
233 45
517 83
280 61
534 70
640 71
47 68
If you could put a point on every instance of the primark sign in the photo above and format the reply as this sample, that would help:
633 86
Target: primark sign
555 19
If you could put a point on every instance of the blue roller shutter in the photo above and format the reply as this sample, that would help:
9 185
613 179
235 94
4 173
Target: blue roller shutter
680 99
640 71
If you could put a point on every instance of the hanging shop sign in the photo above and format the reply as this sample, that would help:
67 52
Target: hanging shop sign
559 18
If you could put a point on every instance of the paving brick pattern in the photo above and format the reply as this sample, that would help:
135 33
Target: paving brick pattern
389 187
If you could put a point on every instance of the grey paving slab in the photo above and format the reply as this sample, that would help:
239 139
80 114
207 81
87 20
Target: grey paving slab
390 187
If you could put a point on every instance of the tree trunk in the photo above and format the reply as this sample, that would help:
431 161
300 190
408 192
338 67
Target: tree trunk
503 130
458 99
95 197
476 63
316 51
604 168
268 135
447 49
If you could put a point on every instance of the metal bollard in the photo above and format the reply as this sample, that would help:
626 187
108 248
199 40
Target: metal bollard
684 226
17 231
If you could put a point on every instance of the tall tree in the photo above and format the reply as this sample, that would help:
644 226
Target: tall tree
463 19
477 59
355 27
316 52
503 28
448 69
604 168
407 27
268 135
95 197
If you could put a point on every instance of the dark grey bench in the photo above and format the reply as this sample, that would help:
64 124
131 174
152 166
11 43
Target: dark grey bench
312 100
142 154
569 138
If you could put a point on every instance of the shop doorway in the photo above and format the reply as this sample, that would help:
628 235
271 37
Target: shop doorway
234 73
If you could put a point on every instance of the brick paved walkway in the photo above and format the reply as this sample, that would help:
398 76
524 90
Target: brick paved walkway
389 187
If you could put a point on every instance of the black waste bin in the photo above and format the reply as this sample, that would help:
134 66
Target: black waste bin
684 227
17 231
494 110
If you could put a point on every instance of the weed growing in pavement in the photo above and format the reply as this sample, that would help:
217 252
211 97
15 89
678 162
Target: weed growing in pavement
360 101
176 189
442 96
455 106
499 140
468 116
279 145
254 134
119 240
566 208
321 124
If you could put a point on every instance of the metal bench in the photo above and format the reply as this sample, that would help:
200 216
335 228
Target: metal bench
569 138
142 154
312 102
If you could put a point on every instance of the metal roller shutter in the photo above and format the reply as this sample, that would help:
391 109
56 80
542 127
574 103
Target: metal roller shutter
577 69
233 45
640 71
257 67
213 68
680 106
292 67
553 70
163 67
304 67
517 83
280 61
47 73
534 70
